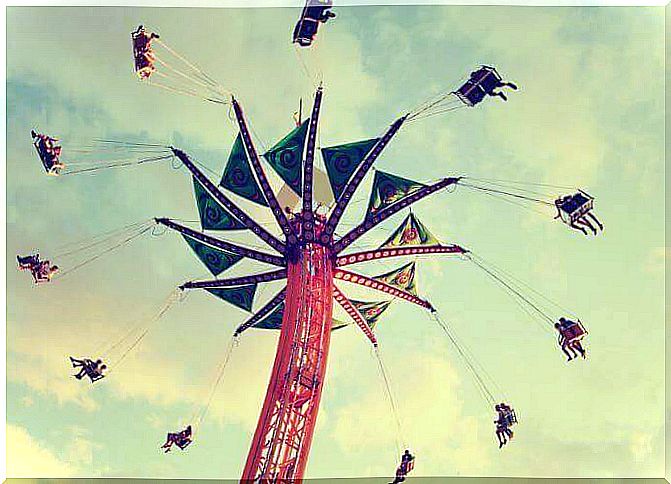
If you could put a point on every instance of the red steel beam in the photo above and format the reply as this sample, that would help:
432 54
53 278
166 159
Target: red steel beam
358 257
354 182
379 217
308 224
221 244
283 435
354 313
366 281
236 281
262 313
253 157
228 204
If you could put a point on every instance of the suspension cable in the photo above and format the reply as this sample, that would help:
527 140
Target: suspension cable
174 297
513 290
479 381
521 205
527 286
400 442
69 248
107 251
199 417
503 192
519 182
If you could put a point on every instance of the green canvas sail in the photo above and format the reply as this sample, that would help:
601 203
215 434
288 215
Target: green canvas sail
402 278
338 324
342 161
212 215
387 189
286 157
410 232
238 176
242 296
273 320
216 260
370 310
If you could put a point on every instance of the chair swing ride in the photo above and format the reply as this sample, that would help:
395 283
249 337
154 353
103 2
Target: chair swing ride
310 255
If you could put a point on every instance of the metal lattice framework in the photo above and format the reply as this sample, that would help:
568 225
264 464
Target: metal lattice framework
310 259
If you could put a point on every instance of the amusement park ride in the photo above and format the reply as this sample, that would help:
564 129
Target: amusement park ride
308 255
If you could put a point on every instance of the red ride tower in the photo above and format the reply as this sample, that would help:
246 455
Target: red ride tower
284 432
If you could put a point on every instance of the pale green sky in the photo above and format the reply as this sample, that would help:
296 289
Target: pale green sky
589 113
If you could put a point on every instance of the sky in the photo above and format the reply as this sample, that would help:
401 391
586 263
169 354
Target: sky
589 114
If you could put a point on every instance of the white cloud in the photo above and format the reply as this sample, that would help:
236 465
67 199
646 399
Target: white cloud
49 375
27 457
80 449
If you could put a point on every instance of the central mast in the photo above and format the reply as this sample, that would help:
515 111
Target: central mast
284 432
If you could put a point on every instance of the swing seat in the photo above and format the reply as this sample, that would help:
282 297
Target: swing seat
142 52
510 418
470 93
183 444
314 12
93 373
181 439
48 157
482 82
27 262
405 468
95 376
487 78
574 331
576 207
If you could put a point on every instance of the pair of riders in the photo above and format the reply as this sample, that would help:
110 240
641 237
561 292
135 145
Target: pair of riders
42 271
313 14
570 334
49 152
485 81
143 53
181 439
489 80
576 211
506 419
93 369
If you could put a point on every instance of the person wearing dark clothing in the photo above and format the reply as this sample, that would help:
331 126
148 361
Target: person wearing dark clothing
181 439
407 464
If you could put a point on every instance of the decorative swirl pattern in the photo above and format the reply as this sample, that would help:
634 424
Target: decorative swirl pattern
341 162
286 157
238 176
212 215
242 296
217 261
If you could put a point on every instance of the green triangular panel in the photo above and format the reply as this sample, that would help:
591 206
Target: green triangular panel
387 189
216 260
371 311
341 161
410 232
212 215
238 176
338 324
402 278
273 320
286 157
242 296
